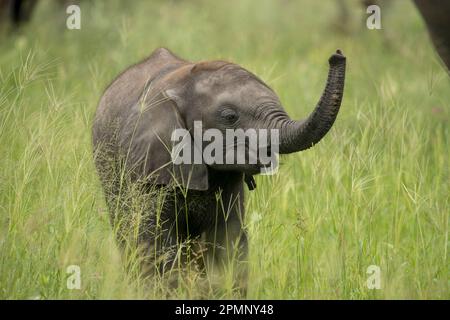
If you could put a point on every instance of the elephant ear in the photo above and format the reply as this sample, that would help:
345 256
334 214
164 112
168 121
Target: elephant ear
146 139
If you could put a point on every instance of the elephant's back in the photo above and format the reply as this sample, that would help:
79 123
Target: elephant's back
125 91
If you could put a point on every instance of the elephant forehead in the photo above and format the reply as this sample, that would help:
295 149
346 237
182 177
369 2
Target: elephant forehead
215 82
237 89
226 75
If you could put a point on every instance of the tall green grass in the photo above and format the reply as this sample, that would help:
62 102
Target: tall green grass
375 191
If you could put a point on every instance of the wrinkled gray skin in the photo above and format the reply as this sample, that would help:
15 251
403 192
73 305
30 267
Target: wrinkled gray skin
436 14
134 122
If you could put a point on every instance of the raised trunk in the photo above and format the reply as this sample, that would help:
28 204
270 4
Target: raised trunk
301 135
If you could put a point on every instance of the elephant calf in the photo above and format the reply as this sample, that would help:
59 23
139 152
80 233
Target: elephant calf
132 138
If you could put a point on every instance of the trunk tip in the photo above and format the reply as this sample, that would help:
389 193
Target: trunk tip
337 57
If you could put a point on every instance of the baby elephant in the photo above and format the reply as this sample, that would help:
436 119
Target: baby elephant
170 195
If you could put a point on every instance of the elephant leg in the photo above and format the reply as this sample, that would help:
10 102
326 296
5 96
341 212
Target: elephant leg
228 248
162 239
144 222
158 247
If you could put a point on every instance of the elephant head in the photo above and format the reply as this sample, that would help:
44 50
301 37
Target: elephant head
175 93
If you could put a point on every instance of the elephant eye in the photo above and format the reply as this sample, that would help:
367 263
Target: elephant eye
229 115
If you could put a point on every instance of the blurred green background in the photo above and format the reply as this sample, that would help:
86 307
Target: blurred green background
375 191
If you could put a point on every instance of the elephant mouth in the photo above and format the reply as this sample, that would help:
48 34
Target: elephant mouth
251 161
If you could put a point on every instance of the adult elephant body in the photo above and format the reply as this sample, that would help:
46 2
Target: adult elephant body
132 133
16 11
436 15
